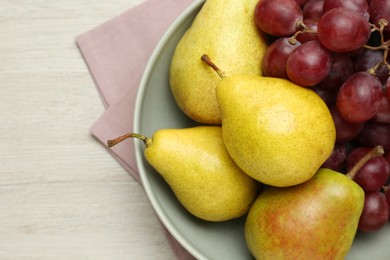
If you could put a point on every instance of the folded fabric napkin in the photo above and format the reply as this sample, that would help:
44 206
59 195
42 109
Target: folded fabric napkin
116 54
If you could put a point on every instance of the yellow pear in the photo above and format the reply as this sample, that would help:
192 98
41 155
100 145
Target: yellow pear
277 132
196 165
317 219
225 29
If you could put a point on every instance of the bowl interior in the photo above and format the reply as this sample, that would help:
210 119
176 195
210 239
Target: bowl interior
156 109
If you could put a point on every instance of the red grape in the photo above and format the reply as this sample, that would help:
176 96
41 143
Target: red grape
374 174
313 9
340 70
387 194
332 55
328 95
345 131
301 2
380 9
344 59
308 64
343 30
359 97
387 156
360 6
337 158
275 58
387 88
368 59
375 212
383 114
278 17
311 35
374 133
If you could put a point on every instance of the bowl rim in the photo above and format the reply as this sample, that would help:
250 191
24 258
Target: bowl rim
139 147
136 123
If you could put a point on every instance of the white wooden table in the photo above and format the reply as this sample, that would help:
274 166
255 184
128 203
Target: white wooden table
62 196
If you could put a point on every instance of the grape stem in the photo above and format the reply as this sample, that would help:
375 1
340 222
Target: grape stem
385 45
375 152
302 28
147 141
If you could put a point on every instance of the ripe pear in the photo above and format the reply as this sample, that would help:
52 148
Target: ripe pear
225 29
317 219
196 165
277 132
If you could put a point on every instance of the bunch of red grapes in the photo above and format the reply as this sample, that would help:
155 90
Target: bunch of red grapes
339 48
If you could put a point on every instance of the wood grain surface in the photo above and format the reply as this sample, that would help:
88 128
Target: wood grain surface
62 196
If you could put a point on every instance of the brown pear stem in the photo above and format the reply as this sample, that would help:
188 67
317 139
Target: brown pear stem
375 152
206 59
147 141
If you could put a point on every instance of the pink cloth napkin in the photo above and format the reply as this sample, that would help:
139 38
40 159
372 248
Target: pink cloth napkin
116 54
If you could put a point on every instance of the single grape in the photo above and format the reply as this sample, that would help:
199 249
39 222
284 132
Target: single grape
313 9
337 158
368 59
359 97
383 114
275 58
343 30
374 133
345 131
375 212
355 155
308 64
310 35
278 17
340 70
328 95
374 174
360 6
380 9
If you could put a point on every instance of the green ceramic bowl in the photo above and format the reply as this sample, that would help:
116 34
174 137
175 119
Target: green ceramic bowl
156 109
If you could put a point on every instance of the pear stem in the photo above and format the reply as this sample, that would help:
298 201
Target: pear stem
147 141
206 59
375 152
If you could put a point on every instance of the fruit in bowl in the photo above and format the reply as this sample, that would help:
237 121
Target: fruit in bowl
226 31
157 108
198 168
